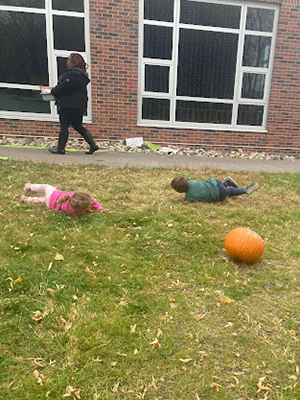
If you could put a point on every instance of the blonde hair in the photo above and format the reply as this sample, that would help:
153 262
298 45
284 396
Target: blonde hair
80 201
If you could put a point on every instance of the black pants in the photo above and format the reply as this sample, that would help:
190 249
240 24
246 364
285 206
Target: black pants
71 117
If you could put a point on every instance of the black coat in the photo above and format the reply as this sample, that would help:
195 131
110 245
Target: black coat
70 92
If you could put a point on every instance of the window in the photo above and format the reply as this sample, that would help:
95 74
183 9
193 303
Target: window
36 38
206 64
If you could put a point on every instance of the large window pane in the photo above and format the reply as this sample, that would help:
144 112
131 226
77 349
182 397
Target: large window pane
156 109
68 33
250 115
253 86
157 78
256 51
158 10
210 113
23 3
207 64
23 100
73 5
259 19
209 14
23 48
157 42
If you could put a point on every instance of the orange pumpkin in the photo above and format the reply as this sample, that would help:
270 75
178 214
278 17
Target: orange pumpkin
244 245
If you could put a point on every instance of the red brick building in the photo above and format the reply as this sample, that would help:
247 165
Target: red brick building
213 73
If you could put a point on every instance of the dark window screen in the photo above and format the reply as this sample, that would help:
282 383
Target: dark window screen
157 42
68 33
256 51
156 78
250 115
23 100
253 86
61 66
207 64
156 109
259 19
23 48
210 113
68 5
23 3
158 10
209 14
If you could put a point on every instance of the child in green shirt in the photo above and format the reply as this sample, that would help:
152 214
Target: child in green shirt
211 189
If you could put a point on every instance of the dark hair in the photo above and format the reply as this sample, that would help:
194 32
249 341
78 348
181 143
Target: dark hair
78 61
180 184
80 201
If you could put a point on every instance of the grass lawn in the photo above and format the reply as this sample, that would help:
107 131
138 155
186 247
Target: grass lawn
142 302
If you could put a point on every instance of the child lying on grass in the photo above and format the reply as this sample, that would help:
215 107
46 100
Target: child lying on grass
211 189
73 203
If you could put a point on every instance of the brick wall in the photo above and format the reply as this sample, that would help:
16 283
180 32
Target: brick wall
114 75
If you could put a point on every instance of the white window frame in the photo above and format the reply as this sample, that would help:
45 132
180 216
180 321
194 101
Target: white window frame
52 60
239 69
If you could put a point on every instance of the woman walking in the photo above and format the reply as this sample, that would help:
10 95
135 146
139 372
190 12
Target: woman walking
71 99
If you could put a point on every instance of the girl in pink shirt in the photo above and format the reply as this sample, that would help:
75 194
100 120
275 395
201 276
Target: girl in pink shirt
73 203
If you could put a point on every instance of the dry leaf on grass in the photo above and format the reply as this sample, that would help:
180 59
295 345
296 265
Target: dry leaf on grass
38 316
155 344
225 299
72 392
51 291
159 333
58 257
216 386
185 360
39 377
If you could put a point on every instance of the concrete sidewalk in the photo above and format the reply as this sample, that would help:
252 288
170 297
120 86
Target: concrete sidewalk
120 159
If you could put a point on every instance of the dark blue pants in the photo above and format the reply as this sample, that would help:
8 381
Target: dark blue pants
227 191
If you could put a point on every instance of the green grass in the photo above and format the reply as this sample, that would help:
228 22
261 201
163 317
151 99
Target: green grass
134 310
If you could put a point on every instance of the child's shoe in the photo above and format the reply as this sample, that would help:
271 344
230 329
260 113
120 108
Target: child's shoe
27 187
230 182
252 188
23 198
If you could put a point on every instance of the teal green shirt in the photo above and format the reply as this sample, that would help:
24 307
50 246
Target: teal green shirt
206 191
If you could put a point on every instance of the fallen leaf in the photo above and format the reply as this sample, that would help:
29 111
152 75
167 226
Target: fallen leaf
225 299
71 392
58 257
39 377
51 291
38 316
115 388
216 386
68 326
185 360
155 344
199 316
159 333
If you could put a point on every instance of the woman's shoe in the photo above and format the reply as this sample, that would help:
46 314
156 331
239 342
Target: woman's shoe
92 150
56 150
